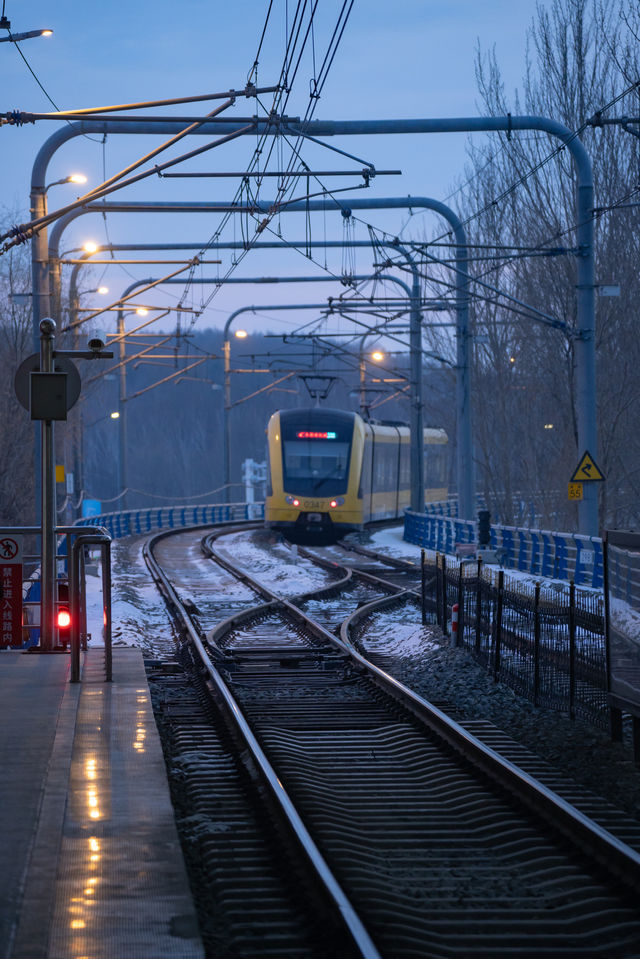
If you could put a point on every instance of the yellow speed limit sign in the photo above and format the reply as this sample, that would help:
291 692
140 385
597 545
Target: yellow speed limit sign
575 490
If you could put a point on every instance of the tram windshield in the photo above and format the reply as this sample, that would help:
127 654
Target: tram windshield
316 467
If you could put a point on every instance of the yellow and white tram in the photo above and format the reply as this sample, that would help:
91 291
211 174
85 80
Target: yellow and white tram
330 472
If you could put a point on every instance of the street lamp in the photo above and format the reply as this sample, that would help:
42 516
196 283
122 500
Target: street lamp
378 357
27 35
74 304
72 178
226 353
102 290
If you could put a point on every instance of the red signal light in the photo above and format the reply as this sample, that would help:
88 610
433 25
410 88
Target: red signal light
296 502
333 504
64 619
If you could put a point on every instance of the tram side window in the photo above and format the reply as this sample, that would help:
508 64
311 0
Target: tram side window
435 466
386 465
365 476
405 466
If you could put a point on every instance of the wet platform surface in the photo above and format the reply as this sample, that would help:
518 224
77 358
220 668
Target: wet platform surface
91 864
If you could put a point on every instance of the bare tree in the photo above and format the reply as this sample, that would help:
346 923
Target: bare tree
581 55
16 433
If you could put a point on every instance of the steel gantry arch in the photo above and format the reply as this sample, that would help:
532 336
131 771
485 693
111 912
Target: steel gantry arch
464 434
320 129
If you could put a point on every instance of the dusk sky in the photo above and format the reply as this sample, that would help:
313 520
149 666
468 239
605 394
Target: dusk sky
411 59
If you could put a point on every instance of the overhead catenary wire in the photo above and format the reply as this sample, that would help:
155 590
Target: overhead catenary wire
340 34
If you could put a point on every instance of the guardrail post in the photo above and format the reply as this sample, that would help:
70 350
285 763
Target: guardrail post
102 540
536 644
445 608
498 626
74 602
459 635
423 586
106 598
478 606
572 650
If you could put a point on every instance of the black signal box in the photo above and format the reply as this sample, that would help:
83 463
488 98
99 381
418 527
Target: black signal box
48 396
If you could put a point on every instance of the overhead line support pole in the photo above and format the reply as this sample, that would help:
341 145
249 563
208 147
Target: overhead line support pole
585 339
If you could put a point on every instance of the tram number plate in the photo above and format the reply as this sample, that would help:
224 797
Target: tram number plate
314 517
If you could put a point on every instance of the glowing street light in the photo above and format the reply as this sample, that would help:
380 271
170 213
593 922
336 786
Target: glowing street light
72 178
241 334
90 247
102 290
377 356
142 311
115 415
17 37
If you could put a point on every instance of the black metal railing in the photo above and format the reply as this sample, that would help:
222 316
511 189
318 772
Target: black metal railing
547 643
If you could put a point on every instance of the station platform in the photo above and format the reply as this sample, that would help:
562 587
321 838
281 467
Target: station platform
90 860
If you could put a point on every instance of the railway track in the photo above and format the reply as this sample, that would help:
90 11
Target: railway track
332 811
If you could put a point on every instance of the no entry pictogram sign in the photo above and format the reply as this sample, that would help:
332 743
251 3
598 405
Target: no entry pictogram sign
10 591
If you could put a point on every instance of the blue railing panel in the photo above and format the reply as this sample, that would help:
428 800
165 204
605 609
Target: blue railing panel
139 522
555 555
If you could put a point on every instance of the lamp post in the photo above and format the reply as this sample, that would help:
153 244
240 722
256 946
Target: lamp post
226 353
377 356
122 409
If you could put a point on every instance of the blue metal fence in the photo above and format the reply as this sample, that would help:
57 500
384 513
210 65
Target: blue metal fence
140 521
542 553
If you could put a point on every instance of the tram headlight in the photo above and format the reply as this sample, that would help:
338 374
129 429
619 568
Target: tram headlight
338 501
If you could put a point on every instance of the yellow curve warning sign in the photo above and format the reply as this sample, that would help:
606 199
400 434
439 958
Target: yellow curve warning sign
587 471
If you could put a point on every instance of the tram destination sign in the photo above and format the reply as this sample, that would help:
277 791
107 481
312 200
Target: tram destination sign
11 591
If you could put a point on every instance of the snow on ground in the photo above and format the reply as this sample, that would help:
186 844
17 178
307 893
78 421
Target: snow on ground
137 609
399 638
390 541
138 612
290 575
204 575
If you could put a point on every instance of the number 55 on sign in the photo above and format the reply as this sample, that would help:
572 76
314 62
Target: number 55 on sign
575 491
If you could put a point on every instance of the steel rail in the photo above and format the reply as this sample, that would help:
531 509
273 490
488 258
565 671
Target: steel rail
352 923
610 852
